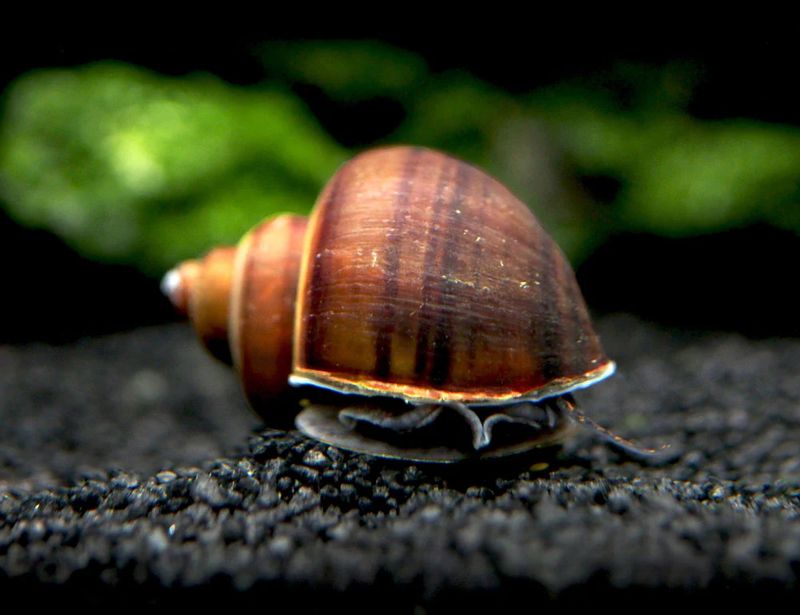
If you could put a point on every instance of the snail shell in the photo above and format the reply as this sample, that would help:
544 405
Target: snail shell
424 291
426 279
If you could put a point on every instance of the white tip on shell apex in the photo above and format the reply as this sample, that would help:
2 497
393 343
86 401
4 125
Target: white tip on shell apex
171 286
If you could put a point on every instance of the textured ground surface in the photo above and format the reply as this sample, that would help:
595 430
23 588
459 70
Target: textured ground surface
131 470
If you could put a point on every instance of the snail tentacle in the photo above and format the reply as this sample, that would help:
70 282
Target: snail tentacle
622 445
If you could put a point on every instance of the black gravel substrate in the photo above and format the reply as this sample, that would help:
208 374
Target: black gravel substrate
131 473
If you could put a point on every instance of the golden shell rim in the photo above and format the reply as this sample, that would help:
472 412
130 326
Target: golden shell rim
422 395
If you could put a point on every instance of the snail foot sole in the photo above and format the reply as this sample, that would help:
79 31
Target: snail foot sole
427 434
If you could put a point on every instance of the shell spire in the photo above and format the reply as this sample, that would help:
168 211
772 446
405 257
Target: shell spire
426 279
241 300
200 289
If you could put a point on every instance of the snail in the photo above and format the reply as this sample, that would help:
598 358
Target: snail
424 295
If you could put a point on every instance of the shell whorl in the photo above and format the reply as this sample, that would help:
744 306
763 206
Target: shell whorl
263 296
424 278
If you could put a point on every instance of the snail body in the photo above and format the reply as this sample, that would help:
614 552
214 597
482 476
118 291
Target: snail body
426 295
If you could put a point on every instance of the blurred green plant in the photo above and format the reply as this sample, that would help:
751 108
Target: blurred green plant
670 173
677 175
129 166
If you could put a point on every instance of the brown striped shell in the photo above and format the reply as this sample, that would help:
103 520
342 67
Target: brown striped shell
424 278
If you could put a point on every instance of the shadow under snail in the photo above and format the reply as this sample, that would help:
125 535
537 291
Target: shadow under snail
424 294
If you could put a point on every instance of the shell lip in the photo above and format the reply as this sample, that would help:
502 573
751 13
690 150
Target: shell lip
422 395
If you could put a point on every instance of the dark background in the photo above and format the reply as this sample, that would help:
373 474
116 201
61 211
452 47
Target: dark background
740 280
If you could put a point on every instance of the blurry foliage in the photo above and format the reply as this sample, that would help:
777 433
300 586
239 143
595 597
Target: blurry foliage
677 175
132 167
127 165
